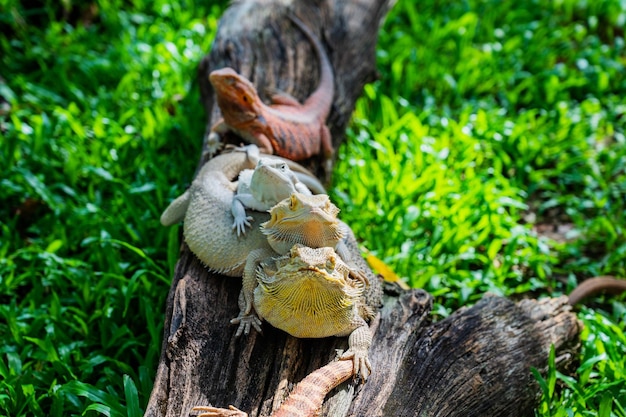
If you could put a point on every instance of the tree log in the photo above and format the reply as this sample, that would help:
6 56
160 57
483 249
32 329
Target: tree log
474 363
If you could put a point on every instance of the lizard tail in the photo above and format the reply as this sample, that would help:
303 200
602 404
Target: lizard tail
307 397
176 211
595 285
322 98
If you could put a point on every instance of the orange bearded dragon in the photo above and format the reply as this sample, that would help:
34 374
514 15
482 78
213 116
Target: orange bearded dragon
285 127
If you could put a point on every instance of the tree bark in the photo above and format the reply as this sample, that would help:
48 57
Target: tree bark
474 363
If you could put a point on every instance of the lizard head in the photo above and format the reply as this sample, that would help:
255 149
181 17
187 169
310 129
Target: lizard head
310 220
236 96
272 180
323 261
307 293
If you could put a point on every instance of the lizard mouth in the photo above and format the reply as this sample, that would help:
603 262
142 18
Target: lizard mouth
314 214
319 213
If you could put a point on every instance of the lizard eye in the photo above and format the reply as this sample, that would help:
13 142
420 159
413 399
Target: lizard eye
245 98
283 167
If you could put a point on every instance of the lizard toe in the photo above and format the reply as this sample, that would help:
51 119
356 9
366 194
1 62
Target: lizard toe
359 275
360 363
247 322
240 224
213 144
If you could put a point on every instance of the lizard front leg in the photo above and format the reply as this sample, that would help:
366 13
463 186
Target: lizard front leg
247 316
301 187
213 141
359 343
261 140
238 209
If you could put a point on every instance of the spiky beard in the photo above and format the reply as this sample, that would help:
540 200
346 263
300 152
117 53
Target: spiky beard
311 233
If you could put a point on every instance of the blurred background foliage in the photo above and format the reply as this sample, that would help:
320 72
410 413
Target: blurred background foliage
489 156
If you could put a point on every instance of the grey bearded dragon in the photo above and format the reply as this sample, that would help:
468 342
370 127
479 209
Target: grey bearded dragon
210 210
309 293
214 199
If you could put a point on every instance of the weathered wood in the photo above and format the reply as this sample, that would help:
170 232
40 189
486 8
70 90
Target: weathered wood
476 362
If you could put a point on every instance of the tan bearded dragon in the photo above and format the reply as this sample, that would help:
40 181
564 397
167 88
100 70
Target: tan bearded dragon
285 127
309 293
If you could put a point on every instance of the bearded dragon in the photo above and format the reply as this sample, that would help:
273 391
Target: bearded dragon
207 205
285 127
309 293
309 220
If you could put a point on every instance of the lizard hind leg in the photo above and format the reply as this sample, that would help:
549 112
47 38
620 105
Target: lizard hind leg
282 98
213 139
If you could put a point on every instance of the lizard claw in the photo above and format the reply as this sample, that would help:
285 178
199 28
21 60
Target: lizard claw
240 223
208 411
360 362
252 151
359 275
245 323
213 144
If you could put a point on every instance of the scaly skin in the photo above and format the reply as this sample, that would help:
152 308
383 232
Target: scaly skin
305 219
306 398
261 189
286 127
309 220
206 209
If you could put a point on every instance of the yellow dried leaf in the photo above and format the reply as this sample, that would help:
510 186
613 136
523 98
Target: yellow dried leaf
384 270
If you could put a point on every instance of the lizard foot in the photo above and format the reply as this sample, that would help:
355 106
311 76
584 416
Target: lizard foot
360 362
359 275
213 144
252 151
240 223
219 412
246 322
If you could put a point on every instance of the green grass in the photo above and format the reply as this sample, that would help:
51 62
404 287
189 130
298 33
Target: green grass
488 119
